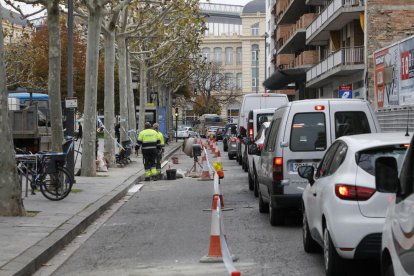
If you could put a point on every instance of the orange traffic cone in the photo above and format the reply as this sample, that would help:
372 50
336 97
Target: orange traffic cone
214 250
205 174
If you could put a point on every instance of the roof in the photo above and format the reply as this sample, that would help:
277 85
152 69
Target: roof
255 6
372 140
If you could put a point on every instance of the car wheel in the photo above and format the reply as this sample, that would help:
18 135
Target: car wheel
239 159
276 214
263 207
251 181
386 265
246 167
333 262
230 157
224 146
255 185
309 244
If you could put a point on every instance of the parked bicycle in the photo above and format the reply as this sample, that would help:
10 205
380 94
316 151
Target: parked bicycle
45 171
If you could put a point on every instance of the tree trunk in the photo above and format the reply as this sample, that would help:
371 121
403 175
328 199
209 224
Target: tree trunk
11 203
91 83
142 94
54 74
109 101
131 101
123 95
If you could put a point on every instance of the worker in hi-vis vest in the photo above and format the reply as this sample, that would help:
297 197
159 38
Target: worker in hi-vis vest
160 151
149 142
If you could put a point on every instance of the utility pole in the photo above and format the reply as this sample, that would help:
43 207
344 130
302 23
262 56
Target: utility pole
70 116
265 55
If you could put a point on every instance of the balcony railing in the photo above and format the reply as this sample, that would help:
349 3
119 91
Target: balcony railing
345 56
303 22
328 12
289 61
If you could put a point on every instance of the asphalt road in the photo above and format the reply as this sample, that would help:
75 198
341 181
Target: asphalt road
164 229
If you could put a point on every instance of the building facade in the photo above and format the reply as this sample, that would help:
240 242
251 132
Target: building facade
234 39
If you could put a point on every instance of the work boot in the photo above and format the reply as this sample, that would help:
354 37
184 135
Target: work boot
154 177
147 179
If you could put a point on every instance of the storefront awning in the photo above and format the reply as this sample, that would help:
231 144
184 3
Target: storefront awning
279 80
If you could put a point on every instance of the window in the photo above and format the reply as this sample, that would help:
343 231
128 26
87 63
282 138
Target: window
270 140
255 29
239 81
351 123
264 117
229 81
366 159
206 53
308 132
229 55
338 158
239 56
255 54
407 175
254 77
217 56
323 167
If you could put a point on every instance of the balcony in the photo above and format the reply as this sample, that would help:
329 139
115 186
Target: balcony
297 65
334 17
289 11
292 36
316 2
344 62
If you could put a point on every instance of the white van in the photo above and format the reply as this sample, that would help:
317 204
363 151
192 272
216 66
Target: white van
255 118
299 134
254 101
397 249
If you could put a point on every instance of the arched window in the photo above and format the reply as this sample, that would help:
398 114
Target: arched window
206 53
217 56
229 55
255 29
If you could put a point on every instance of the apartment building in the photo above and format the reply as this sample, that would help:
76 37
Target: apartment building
235 40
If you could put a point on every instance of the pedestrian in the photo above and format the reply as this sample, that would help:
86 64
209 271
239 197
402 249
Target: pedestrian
160 150
149 141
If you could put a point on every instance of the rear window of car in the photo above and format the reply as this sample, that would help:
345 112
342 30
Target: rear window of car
264 117
308 132
366 159
351 123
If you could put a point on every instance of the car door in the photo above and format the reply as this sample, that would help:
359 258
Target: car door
313 193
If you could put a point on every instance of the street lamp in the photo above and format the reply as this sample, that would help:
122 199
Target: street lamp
266 35
176 124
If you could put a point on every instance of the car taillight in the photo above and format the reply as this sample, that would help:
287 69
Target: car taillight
260 147
351 192
250 130
278 168
234 139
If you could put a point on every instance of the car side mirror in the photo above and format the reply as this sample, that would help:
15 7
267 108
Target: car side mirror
253 149
307 172
386 175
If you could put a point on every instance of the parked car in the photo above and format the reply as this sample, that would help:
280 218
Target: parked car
232 146
343 212
219 133
250 102
211 130
254 154
397 247
231 130
299 134
185 132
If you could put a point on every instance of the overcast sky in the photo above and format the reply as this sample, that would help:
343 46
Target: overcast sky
29 8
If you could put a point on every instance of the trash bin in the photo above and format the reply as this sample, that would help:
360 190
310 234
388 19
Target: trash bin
171 174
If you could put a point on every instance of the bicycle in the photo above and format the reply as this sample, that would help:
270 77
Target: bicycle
45 171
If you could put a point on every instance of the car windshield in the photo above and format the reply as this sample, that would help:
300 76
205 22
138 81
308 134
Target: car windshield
182 129
366 159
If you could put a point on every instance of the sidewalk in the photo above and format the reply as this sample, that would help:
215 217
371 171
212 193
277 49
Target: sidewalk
28 242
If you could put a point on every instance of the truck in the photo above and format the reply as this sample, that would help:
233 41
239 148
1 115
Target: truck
394 85
29 121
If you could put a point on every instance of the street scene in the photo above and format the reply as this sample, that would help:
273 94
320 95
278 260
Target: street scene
193 137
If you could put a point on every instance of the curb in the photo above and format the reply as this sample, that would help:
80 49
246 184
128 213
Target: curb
35 256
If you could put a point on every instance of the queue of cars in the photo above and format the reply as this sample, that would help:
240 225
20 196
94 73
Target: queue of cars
328 159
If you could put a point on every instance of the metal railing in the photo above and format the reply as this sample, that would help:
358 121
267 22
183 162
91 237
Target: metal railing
328 12
345 56
221 8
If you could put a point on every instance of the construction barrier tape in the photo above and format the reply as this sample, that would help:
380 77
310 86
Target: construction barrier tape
227 258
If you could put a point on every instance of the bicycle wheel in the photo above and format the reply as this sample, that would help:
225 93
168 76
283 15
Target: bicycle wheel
56 186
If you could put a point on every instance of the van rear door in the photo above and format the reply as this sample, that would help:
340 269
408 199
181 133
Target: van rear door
350 117
305 141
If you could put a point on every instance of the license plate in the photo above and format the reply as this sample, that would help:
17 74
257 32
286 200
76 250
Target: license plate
294 166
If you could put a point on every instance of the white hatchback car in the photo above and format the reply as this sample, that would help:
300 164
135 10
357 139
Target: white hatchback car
342 210
185 132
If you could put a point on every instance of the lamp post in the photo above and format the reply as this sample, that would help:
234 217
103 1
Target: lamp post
266 35
176 124
257 71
